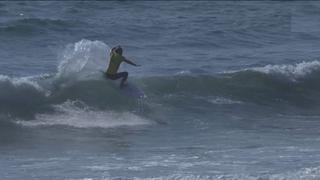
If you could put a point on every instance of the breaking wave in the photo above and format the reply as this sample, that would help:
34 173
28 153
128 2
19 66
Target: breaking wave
291 72
78 79
287 84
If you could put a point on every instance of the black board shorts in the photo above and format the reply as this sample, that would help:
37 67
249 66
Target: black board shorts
117 75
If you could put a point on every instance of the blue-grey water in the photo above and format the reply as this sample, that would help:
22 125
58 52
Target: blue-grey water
231 90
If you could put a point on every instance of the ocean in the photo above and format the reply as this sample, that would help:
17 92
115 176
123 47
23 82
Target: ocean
231 90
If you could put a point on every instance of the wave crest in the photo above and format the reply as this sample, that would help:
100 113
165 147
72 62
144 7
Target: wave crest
21 96
292 72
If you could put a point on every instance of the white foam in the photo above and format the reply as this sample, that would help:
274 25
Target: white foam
183 72
303 174
222 100
69 114
178 177
291 71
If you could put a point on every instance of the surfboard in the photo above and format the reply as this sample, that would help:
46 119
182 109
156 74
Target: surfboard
128 89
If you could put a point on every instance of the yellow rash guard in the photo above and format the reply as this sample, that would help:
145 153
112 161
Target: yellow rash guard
114 63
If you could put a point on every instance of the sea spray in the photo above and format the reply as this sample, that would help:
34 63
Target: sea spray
82 59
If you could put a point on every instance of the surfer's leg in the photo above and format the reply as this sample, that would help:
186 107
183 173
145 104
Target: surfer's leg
124 76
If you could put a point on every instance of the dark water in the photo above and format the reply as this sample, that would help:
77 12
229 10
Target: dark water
230 90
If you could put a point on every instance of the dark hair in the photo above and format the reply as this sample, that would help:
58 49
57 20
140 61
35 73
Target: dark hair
119 50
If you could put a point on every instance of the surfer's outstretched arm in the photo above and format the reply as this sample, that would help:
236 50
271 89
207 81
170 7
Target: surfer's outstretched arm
130 62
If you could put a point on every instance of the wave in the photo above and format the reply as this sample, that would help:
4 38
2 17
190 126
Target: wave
78 79
28 97
266 86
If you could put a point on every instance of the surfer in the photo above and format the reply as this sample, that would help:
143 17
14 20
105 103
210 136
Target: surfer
115 60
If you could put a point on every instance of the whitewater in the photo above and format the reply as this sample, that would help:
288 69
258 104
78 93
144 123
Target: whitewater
231 90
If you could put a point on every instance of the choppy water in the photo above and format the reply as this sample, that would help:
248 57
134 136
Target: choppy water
231 90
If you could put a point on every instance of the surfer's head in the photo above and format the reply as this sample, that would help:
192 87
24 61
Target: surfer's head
118 50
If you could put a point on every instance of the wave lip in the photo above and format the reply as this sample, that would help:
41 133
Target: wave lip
21 96
23 81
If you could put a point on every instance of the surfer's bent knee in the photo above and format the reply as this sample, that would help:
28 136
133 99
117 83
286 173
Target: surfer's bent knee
112 76
125 74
